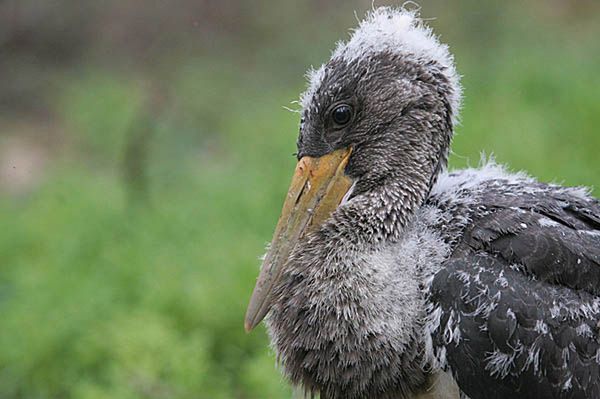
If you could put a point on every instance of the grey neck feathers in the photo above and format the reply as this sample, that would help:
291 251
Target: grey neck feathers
353 294
381 214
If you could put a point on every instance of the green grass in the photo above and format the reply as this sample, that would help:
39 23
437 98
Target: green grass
104 298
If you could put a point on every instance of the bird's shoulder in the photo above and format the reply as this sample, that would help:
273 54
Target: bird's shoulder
514 310
549 232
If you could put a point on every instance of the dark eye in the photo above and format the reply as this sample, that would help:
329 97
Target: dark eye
341 114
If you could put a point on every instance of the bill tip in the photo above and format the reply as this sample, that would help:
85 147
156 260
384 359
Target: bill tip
248 325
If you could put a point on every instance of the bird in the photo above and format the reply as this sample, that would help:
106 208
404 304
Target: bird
391 276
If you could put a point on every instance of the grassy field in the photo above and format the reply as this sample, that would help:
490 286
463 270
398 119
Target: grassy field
121 281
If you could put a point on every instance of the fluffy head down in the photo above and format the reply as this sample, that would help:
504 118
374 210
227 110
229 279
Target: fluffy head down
399 32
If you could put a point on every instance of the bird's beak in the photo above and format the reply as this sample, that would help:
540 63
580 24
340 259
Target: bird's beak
317 188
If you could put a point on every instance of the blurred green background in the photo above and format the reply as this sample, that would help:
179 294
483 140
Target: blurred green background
145 151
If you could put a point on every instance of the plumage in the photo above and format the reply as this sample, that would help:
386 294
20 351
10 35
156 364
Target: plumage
419 274
522 289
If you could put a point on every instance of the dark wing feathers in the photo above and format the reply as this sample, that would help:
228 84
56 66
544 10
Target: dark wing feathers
521 293
515 340
548 250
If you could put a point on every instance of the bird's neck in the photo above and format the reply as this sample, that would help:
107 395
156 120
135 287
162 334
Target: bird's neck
354 296
379 216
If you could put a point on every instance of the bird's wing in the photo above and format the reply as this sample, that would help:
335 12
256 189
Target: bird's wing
557 248
515 311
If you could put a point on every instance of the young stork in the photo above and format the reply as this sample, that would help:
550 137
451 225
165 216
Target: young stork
389 277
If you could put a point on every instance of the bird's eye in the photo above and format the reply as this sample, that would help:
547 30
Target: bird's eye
341 114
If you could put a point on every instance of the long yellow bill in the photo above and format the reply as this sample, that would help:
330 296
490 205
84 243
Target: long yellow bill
317 188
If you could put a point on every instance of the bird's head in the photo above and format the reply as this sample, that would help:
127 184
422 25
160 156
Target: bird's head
379 113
